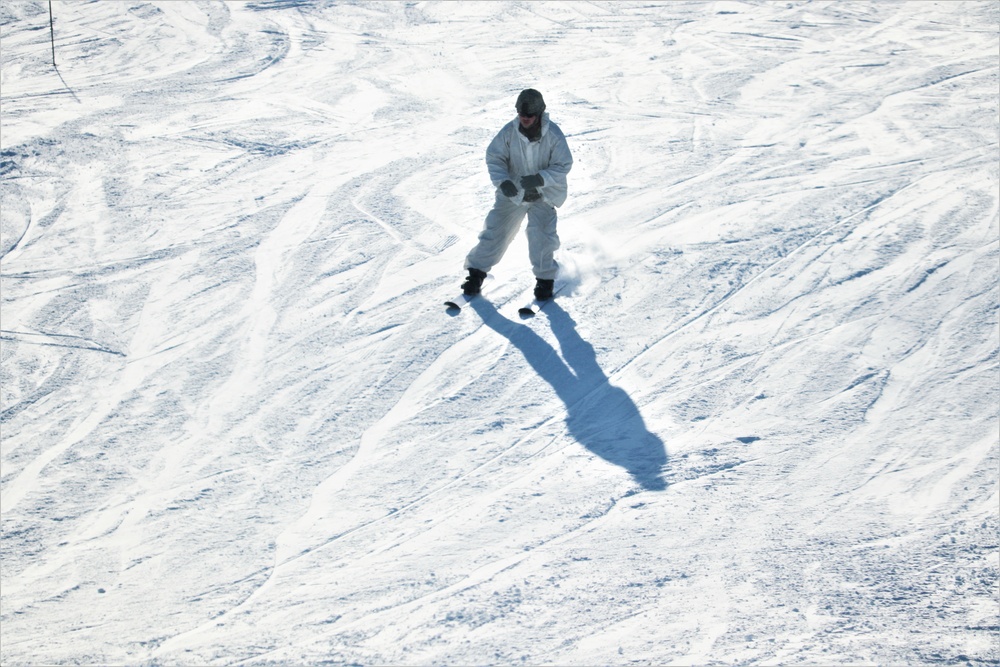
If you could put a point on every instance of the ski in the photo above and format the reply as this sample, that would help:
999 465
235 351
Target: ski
531 308
458 302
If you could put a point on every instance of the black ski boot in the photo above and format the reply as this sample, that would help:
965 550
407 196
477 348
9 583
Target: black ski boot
474 283
543 289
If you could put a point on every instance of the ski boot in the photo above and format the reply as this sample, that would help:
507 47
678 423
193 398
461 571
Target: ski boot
474 283
543 289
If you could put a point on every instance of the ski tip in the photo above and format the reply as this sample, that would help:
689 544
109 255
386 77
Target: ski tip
526 312
452 305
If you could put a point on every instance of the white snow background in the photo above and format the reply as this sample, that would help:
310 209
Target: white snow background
759 427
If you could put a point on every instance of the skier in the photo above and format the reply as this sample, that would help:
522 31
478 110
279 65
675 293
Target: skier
527 161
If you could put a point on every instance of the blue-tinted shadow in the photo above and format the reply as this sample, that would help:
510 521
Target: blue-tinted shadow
600 416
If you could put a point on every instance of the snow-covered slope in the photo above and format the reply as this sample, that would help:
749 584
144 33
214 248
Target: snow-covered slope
761 425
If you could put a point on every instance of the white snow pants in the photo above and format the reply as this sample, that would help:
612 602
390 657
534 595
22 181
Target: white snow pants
502 225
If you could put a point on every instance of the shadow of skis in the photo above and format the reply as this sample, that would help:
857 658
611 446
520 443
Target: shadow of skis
600 416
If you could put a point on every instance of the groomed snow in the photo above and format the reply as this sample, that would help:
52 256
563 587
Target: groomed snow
759 427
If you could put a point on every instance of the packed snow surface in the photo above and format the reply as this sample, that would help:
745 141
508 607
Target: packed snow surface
758 426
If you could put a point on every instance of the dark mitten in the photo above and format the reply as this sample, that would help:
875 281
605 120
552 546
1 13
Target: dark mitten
508 189
532 182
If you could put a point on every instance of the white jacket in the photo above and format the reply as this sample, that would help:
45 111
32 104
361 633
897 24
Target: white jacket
512 155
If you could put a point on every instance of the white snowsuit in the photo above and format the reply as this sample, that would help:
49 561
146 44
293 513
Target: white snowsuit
510 156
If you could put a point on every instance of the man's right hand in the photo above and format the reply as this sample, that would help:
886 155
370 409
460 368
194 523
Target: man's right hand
508 188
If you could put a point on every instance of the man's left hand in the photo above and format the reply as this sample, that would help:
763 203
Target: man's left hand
532 182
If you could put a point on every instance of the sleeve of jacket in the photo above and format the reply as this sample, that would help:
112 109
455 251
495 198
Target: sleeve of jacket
498 157
554 175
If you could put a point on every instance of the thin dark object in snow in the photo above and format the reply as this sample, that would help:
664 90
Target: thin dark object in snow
52 35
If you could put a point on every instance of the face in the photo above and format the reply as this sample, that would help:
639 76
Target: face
527 120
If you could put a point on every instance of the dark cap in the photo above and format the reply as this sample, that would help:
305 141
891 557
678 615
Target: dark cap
530 103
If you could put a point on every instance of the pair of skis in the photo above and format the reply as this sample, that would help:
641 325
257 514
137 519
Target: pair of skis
529 309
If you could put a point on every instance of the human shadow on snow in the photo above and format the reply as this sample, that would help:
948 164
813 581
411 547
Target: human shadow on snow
600 416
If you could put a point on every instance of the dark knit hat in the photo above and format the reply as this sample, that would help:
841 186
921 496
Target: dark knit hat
530 103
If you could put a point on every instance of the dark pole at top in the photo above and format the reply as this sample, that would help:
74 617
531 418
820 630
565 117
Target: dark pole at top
52 35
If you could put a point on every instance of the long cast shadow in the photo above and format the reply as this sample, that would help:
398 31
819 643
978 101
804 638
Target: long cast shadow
600 416
71 92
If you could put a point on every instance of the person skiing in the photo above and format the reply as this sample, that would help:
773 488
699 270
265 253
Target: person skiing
528 161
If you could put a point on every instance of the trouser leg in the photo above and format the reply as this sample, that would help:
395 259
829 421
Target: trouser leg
543 240
501 226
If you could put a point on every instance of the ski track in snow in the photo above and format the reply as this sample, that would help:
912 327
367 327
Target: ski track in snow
239 428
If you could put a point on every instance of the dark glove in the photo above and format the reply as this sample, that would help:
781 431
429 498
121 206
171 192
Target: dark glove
532 182
508 189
